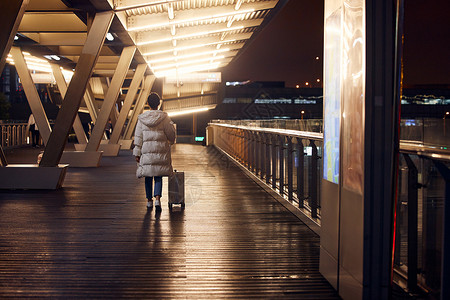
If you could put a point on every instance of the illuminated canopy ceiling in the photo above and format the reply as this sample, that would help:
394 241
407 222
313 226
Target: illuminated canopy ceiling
191 35
172 36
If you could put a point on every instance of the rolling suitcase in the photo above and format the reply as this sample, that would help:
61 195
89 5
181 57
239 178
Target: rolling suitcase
176 189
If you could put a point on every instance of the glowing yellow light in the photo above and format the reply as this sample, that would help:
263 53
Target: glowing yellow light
190 111
187 47
171 22
147 3
188 56
186 70
197 34
189 62
297 86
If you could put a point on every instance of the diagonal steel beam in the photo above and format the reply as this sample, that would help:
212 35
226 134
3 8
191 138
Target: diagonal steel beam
12 12
111 97
77 88
140 103
131 94
32 95
62 86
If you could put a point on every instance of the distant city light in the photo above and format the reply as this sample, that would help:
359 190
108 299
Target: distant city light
318 80
307 83
317 58
297 86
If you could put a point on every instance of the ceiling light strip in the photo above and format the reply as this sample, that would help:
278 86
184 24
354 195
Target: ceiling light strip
197 34
145 4
188 56
189 62
186 70
187 47
177 22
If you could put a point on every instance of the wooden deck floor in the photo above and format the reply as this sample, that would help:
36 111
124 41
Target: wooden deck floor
95 239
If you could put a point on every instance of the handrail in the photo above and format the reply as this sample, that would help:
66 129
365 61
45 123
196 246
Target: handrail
285 160
411 147
432 152
285 132
277 157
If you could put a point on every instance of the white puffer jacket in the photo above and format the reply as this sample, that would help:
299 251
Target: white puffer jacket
154 134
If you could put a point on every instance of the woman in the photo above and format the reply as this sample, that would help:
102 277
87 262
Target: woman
154 135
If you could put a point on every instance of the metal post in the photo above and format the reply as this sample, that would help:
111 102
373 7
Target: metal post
76 89
262 151
413 186
257 153
111 97
267 162
313 182
289 168
445 265
274 161
249 152
252 151
131 94
300 173
281 150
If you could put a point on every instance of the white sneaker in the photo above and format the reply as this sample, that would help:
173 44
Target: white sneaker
150 204
157 203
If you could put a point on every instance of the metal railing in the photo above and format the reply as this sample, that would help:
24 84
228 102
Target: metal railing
13 134
423 221
289 161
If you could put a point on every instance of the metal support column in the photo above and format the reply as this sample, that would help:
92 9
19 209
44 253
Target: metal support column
131 95
32 95
62 86
77 88
111 97
140 103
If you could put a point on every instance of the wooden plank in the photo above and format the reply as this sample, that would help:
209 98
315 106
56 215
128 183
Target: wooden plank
95 238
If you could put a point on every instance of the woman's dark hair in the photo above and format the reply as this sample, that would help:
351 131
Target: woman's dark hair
154 100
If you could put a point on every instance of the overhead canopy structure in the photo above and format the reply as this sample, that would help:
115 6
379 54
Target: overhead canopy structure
183 41
174 37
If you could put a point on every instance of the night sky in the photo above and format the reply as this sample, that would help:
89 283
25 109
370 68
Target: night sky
287 48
